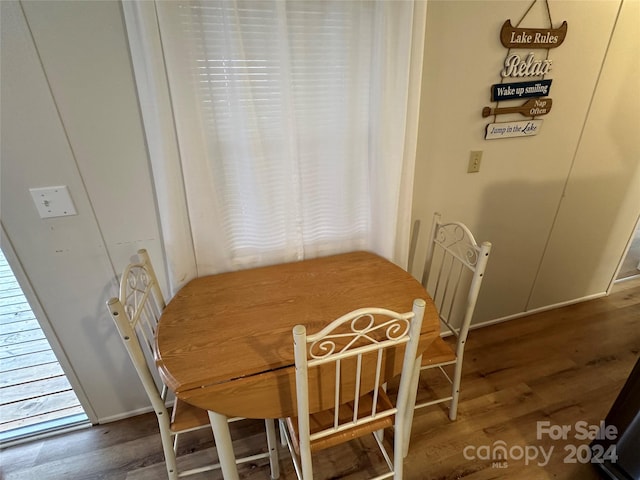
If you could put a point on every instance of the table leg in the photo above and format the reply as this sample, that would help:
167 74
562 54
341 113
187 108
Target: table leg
224 446
411 404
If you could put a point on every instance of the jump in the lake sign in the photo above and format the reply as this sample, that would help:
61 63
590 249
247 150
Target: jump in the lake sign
535 89
527 128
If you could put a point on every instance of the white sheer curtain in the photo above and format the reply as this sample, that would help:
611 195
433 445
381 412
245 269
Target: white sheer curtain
294 124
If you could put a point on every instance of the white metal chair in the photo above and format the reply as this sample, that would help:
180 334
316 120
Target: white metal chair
136 314
453 273
346 365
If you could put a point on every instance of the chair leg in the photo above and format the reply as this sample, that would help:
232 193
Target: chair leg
400 447
455 391
306 462
284 433
307 471
411 406
283 436
272 443
169 453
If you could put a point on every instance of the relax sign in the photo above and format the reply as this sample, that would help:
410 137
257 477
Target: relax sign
515 66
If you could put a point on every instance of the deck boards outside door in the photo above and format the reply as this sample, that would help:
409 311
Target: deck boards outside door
33 388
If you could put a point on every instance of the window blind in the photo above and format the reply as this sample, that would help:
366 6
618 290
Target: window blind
277 109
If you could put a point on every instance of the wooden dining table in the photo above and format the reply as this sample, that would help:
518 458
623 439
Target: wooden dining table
225 344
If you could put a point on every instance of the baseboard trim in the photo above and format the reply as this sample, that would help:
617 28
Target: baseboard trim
626 279
131 413
537 310
125 415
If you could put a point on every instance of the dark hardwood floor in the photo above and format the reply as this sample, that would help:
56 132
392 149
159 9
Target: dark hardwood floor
561 367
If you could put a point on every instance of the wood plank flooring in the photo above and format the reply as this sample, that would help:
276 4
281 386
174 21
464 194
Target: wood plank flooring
33 388
561 366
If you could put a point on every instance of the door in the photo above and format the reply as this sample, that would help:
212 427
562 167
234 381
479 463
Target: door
630 265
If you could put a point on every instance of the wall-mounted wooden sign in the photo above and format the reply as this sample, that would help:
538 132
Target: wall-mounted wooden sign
509 91
526 128
530 108
514 66
512 37
524 64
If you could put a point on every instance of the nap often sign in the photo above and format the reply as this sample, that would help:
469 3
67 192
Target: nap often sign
530 108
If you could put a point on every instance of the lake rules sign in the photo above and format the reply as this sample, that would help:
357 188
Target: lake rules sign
526 128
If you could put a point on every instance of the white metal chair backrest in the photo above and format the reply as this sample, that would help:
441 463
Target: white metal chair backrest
350 356
136 313
453 273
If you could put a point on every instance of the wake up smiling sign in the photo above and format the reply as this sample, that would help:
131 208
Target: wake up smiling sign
527 67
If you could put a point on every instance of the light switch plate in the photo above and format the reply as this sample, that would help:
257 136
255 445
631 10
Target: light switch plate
475 157
53 201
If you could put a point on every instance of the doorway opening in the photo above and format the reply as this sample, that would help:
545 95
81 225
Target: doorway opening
36 397
630 267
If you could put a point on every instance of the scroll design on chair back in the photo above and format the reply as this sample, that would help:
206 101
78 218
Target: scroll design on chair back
362 332
457 239
142 300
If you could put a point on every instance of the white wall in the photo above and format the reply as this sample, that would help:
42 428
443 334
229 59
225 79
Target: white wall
550 245
70 116
601 201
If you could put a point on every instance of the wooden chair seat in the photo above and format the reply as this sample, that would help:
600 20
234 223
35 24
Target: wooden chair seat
187 417
438 352
324 419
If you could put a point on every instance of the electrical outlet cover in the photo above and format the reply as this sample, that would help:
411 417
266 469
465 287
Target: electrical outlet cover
53 201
